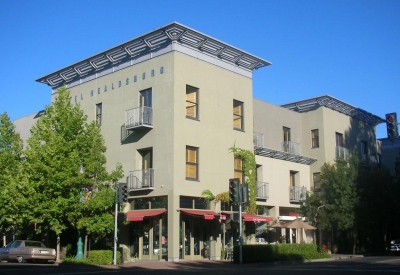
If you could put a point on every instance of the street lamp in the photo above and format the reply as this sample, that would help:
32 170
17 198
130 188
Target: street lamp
79 254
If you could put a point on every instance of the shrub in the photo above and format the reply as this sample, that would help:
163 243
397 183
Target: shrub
277 252
96 257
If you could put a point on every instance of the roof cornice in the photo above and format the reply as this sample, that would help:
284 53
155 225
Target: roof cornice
149 42
337 105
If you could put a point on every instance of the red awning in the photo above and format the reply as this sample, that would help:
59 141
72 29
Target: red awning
138 215
207 214
256 218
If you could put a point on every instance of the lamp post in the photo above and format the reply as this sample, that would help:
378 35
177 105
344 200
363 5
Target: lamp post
79 254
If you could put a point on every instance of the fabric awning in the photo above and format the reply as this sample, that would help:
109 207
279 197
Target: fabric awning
256 218
207 214
251 217
138 215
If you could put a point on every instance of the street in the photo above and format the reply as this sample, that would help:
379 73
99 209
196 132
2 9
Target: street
364 265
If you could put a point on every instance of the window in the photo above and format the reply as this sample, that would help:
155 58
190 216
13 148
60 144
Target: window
286 139
191 163
237 115
146 98
317 181
364 151
238 166
339 140
293 178
99 112
191 102
286 134
314 138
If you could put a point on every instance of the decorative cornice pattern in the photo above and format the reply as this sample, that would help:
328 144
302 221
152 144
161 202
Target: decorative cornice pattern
150 42
336 105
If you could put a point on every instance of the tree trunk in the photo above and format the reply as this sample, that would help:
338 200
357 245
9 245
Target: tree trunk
85 247
354 241
58 249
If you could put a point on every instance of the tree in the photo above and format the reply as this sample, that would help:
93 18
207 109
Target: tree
62 141
11 191
314 210
378 207
340 193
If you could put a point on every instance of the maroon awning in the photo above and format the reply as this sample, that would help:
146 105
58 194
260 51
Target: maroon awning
256 218
138 215
207 214
251 217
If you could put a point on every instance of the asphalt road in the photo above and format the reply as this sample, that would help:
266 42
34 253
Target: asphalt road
365 265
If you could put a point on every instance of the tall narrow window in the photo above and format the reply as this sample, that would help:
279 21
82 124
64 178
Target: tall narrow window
237 115
99 113
191 163
314 138
286 139
238 166
191 102
364 151
317 181
292 178
339 139
146 98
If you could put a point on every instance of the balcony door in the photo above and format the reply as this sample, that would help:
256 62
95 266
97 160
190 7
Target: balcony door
147 164
146 104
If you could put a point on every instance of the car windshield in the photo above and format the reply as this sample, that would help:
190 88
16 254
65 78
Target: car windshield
35 244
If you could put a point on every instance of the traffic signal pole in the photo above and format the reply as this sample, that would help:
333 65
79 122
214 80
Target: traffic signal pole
115 229
240 233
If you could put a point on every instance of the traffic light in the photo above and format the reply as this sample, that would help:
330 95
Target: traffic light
244 189
391 125
123 193
234 191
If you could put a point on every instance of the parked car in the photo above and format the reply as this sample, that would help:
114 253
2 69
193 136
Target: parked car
395 246
27 250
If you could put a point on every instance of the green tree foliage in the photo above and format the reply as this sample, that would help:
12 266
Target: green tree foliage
378 207
62 141
339 182
12 189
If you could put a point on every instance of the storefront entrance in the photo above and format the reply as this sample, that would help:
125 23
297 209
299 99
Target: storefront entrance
195 238
149 238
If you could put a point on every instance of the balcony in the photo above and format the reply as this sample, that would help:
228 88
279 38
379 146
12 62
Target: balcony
262 190
139 118
140 180
291 147
342 153
258 140
297 194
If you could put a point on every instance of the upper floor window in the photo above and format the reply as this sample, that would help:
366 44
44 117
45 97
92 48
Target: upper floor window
286 134
237 115
292 178
99 113
238 167
146 99
339 139
317 181
191 163
314 138
364 151
191 102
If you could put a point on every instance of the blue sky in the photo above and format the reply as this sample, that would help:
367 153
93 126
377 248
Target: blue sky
347 49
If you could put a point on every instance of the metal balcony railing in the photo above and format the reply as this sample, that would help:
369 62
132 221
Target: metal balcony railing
291 147
262 190
258 140
139 117
342 153
297 193
140 179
